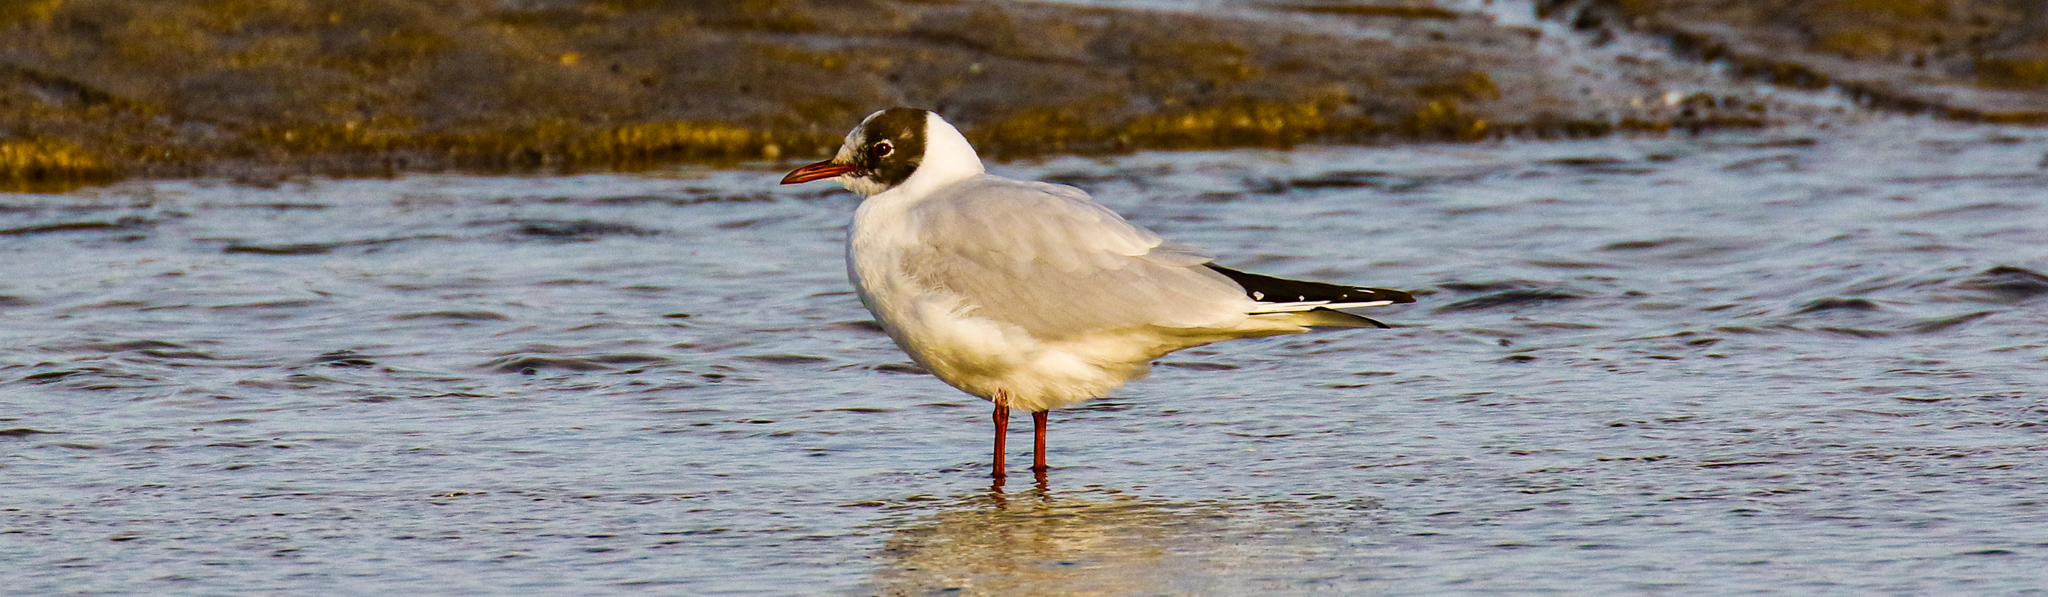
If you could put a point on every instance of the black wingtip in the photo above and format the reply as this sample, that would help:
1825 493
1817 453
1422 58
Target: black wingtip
1389 294
1375 323
1325 317
1279 290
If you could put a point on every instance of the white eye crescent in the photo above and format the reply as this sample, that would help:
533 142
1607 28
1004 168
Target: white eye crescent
882 149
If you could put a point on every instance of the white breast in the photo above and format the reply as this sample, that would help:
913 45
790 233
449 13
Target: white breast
977 355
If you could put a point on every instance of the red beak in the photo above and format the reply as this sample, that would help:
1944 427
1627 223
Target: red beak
820 170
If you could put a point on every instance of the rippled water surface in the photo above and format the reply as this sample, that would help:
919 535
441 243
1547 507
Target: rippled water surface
1794 362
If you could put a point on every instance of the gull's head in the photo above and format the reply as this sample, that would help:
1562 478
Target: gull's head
896 148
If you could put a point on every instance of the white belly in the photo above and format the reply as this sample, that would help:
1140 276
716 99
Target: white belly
985 357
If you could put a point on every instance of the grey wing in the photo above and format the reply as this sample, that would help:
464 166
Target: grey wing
1050 260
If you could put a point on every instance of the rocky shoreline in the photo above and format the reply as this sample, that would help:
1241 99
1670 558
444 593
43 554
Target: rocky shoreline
98 90
1973 60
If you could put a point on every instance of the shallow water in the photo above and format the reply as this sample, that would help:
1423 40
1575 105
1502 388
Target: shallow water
1797 362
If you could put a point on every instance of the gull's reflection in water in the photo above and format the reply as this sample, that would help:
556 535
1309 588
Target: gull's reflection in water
1102 542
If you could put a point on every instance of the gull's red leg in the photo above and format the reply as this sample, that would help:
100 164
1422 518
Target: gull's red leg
1038 442
1002 431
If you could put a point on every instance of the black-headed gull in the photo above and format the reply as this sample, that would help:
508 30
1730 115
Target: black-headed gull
1032 295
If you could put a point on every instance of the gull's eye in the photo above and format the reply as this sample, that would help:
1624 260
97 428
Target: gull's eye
881 149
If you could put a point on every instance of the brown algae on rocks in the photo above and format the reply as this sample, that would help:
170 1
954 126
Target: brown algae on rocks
1976 60
96 89
41 164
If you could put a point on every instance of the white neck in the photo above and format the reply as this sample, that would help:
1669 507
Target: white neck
947 159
